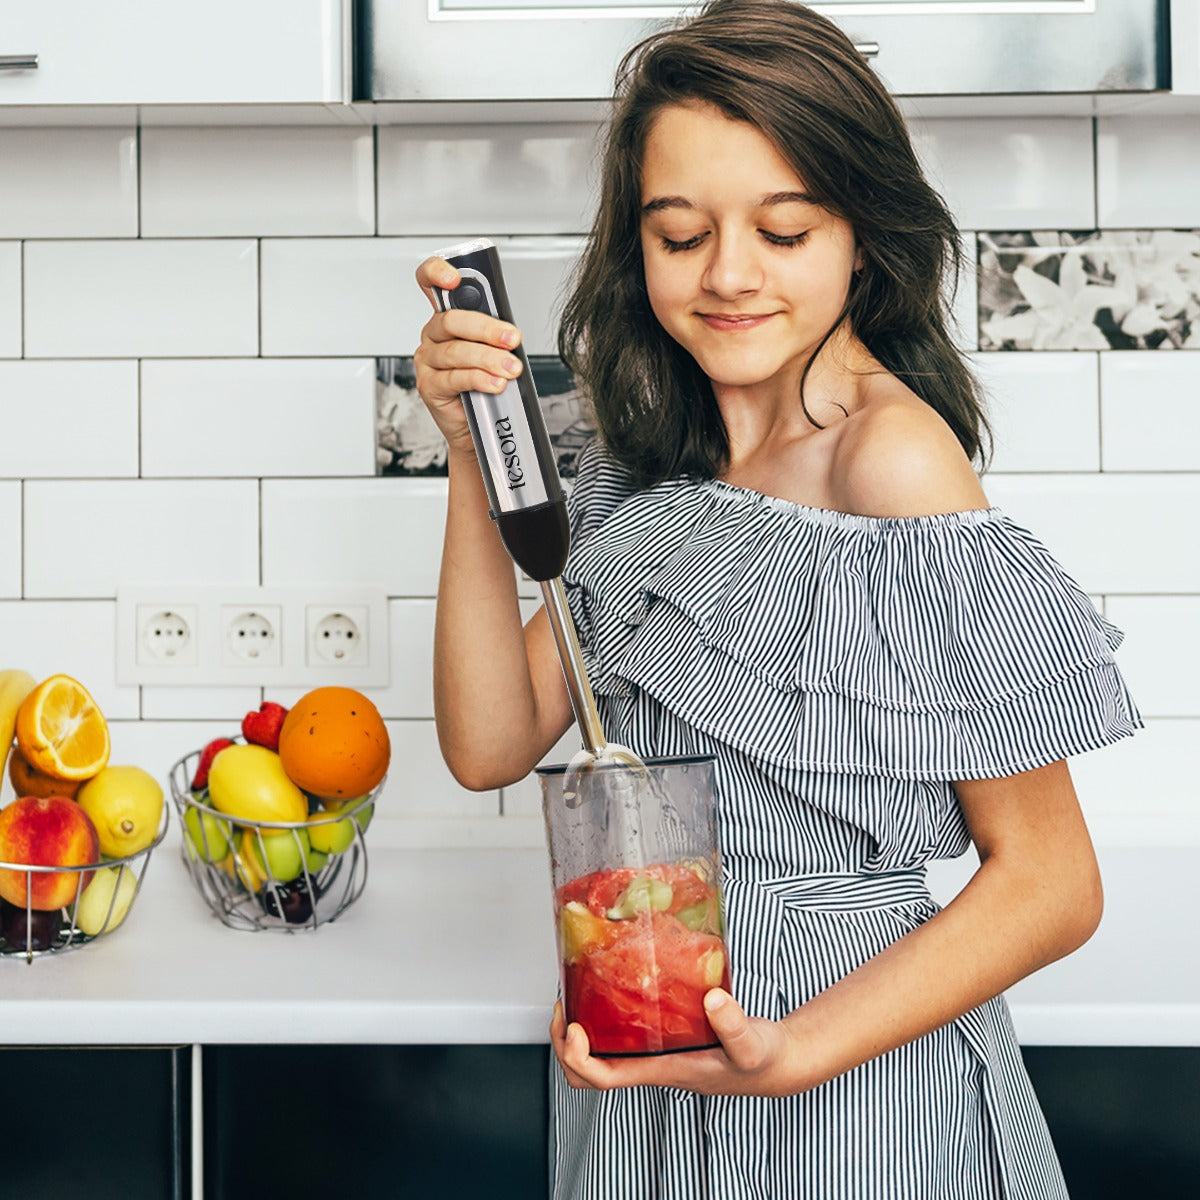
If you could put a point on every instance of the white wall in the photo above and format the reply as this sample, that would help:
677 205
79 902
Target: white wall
188 318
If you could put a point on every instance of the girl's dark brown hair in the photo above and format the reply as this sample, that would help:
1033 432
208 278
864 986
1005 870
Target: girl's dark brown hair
798 79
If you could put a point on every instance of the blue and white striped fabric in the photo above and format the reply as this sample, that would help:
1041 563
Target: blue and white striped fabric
844 671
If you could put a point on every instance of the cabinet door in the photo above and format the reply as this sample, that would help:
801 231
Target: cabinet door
151 52
404 1122
96 1123
567 49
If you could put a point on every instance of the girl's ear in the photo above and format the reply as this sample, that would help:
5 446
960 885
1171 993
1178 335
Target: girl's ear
859 260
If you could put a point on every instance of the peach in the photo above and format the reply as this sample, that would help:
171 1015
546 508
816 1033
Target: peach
29 781
46 831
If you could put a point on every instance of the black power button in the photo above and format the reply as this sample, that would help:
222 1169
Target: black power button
469 295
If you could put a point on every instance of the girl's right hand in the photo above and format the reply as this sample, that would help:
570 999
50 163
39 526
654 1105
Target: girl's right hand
460 351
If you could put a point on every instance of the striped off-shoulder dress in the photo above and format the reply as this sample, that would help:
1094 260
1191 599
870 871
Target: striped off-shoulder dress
844 670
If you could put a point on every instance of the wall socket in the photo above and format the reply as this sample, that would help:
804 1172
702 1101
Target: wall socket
216 636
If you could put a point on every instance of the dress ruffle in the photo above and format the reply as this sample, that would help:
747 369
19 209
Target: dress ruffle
943 647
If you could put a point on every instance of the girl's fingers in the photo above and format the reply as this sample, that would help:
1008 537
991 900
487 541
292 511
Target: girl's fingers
436 272
452 355
462 325
741 1040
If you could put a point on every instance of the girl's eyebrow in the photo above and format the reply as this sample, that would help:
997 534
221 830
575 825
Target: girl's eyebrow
660 203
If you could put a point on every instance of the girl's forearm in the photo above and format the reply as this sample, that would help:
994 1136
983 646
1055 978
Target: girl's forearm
1008 922
483 691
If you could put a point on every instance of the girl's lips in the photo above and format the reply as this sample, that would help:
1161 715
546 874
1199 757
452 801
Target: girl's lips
734 321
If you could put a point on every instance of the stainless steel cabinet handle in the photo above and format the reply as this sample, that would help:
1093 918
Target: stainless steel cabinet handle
18 62
867 49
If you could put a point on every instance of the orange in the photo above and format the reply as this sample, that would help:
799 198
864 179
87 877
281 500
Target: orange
334 743
28 782
61 731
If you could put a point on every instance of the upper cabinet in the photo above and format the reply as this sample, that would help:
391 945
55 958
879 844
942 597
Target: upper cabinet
147 52
419 50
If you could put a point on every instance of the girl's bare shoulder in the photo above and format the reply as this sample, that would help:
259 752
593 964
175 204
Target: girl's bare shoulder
897 457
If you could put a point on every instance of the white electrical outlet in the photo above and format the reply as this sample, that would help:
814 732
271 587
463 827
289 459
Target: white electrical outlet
165 636
213 636
337 637
251 637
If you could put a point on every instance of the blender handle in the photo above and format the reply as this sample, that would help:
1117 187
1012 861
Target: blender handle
583 703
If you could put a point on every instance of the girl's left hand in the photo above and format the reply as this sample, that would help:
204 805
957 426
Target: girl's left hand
756 1058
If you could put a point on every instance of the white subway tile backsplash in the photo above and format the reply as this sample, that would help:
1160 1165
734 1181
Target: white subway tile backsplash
1011 173
1161 652
156 746
255 180
10 300
342 296
258 417
127 299
1145 780
537 271
86 539
1044 410
1148 172
72 637
383 533
1150 411
486 180
69 182
964 331
410 640
359 296
68 418
419 783
1112 533
228 704
10 537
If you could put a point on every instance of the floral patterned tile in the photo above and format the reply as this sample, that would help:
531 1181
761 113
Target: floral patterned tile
407 442
1090 290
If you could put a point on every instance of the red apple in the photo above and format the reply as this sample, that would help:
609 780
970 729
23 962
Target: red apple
46 831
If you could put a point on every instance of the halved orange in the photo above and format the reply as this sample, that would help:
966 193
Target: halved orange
61 730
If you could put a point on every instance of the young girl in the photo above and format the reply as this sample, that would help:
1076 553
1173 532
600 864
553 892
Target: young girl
782 556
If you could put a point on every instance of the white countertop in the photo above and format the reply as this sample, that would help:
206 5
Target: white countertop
456 946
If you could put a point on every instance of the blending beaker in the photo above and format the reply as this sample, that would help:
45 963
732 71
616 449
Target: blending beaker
636 872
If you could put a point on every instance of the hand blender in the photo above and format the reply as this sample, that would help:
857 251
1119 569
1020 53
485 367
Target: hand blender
525 493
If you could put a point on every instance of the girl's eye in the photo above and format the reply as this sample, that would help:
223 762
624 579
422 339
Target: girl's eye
672 247
781 239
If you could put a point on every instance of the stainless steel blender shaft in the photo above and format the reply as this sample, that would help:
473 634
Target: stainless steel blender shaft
583 703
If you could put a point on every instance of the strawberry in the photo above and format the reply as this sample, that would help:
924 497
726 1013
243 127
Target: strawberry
200 780
262 727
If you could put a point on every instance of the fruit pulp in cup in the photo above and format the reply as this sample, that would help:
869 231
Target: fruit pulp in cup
640 947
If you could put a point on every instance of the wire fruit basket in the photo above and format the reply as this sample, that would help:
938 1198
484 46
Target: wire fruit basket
282 876
101 899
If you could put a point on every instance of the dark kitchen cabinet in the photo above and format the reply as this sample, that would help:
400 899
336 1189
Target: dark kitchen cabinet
1125 1119
108 1123
432 1122
386 1122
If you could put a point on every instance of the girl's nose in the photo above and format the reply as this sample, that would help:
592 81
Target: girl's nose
733 268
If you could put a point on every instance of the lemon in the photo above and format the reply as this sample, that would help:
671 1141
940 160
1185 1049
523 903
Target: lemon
125 804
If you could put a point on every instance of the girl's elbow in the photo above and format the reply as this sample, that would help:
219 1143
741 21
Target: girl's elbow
1085 908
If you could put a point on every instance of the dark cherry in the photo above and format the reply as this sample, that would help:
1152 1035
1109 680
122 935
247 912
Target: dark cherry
293 903
42 930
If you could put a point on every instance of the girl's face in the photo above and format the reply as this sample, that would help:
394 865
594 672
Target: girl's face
742 269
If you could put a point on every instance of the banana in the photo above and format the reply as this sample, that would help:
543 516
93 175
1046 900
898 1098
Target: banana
15 685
